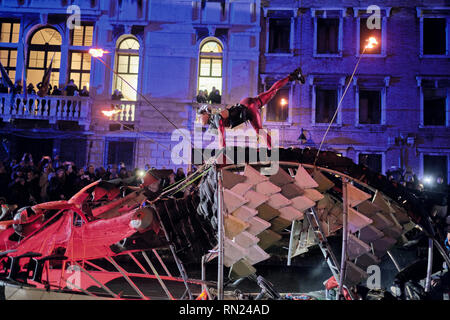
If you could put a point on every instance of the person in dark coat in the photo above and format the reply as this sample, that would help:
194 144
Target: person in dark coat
71 88
19 193
56 186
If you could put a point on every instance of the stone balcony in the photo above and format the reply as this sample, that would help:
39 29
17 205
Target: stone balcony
50 108
63 108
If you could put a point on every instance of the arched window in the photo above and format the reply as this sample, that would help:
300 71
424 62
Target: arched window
210 66
127 66
44 45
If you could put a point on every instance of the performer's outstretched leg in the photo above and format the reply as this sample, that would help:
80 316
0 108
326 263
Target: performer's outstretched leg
255 104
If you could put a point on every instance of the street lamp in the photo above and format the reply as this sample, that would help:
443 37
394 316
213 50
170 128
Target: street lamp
97 53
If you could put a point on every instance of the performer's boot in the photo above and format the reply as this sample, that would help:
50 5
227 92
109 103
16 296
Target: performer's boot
297 75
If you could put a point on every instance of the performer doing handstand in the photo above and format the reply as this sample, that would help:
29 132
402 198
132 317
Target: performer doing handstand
246 110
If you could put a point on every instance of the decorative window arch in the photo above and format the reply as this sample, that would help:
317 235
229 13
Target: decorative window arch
210 74
44 45
127 67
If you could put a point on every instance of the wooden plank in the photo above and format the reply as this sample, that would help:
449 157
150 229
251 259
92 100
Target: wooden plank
304 180
268 238
370 234
267 212
302 203
267 188
324 183
279 224
232 252
367 260
313 195
354 274
244 213
246 240
281 178
255 199
234 226
257 225
231 179
368 208
232 201
242 188
381 222
241 269
291 191
357 221
356 196
381 246
290 213
255 255
278 201
253 175
381 202
356 247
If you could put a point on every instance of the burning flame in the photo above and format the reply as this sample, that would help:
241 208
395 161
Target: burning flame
203 296
97 53
372 42
110 113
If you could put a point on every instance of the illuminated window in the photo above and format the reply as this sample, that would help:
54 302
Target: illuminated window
45 45
82 36
80 68
372 23
8 57
366 33
210 66
9 31
277 110
127 67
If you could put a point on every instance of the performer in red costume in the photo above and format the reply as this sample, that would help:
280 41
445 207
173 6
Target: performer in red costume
246 110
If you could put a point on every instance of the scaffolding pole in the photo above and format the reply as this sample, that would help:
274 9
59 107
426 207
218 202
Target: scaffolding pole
344 237
430 265
220 235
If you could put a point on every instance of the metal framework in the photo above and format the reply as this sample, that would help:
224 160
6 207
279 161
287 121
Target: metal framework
323 244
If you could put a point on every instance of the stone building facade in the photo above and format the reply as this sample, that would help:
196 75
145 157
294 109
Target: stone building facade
394 113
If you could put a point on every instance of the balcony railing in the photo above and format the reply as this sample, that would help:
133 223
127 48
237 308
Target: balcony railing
51 108
126 111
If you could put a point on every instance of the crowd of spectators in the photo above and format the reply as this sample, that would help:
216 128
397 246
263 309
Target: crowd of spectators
25 183
213 98
70 90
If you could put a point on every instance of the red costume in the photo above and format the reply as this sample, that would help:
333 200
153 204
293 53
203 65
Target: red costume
254 106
